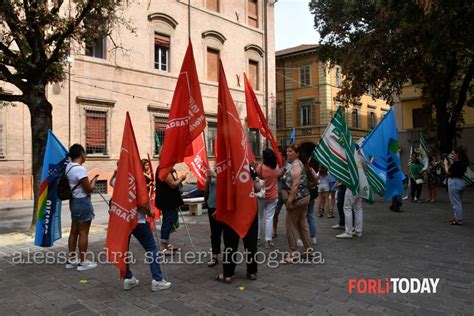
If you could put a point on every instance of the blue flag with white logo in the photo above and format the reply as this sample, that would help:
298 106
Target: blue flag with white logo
48 213
381 149
292 136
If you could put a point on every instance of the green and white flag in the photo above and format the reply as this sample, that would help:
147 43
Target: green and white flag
336 152
424 152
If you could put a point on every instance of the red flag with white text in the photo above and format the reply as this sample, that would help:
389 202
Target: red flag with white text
256 119
130 193
198 162
186 119
236 205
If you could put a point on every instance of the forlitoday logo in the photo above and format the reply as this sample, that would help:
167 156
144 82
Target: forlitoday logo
393 285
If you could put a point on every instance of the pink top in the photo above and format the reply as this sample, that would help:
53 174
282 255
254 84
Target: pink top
270 176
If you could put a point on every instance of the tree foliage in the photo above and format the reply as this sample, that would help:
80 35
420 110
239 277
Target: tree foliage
388 43
36 39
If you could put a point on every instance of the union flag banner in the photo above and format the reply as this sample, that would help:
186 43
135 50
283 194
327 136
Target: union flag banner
256 119
236 205
130 193
186 120
198 162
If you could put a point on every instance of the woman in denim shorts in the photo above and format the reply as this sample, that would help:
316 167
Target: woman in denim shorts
82 212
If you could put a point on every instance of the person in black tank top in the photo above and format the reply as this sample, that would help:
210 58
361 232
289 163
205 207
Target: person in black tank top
168 200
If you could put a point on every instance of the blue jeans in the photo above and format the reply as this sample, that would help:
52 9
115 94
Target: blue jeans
169 218
311 218
455 189
144 235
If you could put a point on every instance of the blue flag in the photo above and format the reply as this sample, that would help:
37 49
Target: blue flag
48 220
381 149
292 137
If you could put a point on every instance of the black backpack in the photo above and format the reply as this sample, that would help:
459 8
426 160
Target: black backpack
64 189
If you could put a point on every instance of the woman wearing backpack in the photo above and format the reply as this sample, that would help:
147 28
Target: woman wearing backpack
82 212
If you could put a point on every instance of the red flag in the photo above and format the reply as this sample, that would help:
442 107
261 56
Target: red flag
256 119
235 200
152 194
130 192
186 120
198 163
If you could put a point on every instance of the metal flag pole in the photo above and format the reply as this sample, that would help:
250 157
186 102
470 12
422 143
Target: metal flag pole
186 227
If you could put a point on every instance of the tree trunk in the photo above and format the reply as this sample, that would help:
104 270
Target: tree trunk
446 132
41 121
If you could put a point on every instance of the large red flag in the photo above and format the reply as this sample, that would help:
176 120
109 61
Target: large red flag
235 200
256 119
130 192
152 194
198 162
186 120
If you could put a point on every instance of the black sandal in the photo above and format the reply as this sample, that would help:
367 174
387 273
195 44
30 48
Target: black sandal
220 277
455 222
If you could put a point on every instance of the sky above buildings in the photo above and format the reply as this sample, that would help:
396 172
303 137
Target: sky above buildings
294 24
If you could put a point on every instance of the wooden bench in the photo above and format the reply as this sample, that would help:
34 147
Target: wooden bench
195 205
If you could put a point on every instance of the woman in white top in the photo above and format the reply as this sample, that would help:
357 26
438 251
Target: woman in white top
82 212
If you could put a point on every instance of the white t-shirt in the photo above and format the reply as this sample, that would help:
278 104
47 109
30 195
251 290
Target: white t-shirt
75 173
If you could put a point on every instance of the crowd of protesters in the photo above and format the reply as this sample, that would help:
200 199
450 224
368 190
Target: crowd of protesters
305 188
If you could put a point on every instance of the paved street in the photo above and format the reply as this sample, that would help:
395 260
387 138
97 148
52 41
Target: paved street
417 243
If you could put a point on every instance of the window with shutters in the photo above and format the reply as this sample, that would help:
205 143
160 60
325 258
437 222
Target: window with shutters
338 77
162 51
355 118
159 133
307 111
279 115
212 64
97 49
253 74
211 138
96 132
213 5
253 13
305 78
372 120
254 141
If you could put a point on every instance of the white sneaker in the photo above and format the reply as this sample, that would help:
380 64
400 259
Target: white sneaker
86 265
299 243
344 235
160 285
337 226
357 234
72 263
129 284
314 241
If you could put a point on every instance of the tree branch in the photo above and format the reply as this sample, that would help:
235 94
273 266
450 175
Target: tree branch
55 10
68 32
462 96
14 23
12 97
11 78
10 54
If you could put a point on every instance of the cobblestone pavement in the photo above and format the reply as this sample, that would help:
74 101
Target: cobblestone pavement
417 243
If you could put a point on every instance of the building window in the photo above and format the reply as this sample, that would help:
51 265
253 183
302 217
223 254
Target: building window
306 113
211 138
420 118
253 13
96 132
254 141
162 51
372 120
97 49
159 133
355 118
212 5
279 115
212 64
305 79
253 74
338 77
